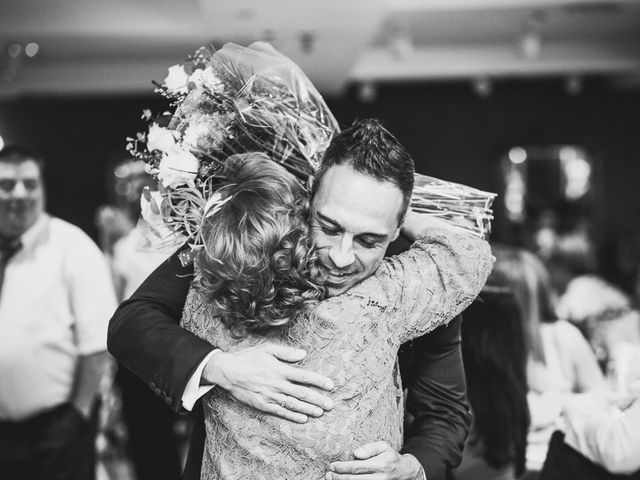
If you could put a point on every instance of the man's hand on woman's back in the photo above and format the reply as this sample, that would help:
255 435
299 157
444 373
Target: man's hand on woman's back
265 378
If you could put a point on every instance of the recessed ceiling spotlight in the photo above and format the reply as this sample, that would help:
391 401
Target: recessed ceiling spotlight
307 41
14 50
269 35
367 92
530 45
530 39
244 14
483 87
517 155
401 46
31 49
574 85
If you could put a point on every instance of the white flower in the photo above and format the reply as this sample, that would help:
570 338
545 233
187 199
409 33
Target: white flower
197 78
177 79
177 167
160 138
206 78
194 133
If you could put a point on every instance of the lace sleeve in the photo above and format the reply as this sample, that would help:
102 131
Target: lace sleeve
435 280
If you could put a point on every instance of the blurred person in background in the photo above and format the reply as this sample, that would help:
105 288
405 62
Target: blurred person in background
567 256
123 231
154 433
560 361
606 316
495 358
603 312
601 441
55 301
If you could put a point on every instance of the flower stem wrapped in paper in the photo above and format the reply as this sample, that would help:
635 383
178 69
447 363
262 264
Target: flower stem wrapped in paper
233 100
454 203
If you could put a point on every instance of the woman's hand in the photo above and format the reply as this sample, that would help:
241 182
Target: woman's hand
263 377
377 461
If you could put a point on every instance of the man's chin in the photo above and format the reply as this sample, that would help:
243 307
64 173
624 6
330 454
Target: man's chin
336 289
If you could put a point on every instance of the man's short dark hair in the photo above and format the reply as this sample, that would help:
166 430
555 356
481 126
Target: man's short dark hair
371 149
19 153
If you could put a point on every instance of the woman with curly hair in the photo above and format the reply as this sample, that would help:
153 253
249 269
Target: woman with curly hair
259 279
257 267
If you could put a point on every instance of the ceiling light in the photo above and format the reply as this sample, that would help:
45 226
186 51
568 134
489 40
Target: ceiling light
401 46
530 45
567 154
574 85
14 50
517 155
367 92
482 87
244 14
530 40
269 35
31 49
307 42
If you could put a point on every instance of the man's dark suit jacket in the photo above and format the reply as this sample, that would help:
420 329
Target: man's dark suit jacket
145 336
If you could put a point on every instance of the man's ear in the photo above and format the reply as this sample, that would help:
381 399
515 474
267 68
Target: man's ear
396 234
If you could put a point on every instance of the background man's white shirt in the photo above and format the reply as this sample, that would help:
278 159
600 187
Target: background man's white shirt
56 302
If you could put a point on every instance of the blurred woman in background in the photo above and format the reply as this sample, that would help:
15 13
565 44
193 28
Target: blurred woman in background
495 358
607 318
560 361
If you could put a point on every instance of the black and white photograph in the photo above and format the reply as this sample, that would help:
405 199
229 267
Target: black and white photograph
319 240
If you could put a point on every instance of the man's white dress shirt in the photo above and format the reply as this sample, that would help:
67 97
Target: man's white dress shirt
56 302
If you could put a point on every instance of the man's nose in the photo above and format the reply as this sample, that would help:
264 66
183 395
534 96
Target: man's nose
341 254
19 190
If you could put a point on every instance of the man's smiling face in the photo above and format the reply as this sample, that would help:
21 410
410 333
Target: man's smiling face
354 218
21 197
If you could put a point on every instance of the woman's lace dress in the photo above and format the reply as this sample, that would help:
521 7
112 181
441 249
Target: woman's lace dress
353 339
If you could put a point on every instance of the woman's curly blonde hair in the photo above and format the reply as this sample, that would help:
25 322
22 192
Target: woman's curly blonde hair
258 266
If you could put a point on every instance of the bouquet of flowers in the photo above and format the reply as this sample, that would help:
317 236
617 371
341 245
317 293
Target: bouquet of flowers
233 100
460 205
250 99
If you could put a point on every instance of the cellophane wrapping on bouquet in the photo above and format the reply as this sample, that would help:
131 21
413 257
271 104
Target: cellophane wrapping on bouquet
457 204
232 100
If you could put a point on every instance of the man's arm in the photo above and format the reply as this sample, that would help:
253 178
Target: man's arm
146 337
437 400
87 379
436 391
